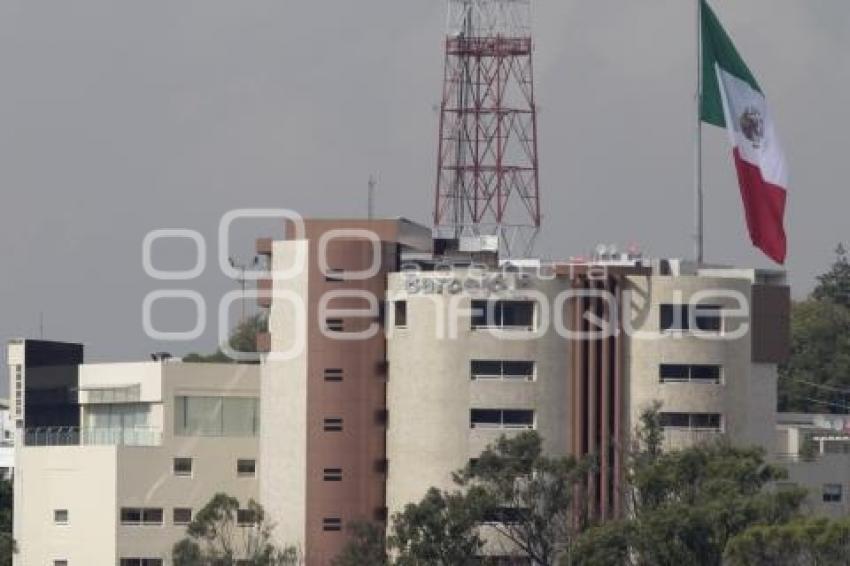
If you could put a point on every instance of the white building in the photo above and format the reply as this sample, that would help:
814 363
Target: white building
157 440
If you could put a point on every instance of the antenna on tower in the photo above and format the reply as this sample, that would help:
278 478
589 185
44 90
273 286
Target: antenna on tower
370 211
487 165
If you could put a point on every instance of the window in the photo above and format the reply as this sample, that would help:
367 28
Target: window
246 517
502 418
673 373
182 516
333 374
400 314
182 466
334 324
216 416
246 468
832 493
332 474
141 516
502 314
333 425
504 515
502 369
152 516
141 562
60 516
700 421
62 562
678 318
331 524
335 275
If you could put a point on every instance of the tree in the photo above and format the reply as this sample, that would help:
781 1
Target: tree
817 375
526 496
807 541
243 338
834 285
367 545
686 505
440 530
222 533
7 543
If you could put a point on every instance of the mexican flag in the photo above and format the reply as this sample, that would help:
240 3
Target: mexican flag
732 98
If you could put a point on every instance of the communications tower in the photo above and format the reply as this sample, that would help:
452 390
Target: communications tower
487 164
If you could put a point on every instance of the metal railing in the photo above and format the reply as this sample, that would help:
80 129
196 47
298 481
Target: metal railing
677 438
92 436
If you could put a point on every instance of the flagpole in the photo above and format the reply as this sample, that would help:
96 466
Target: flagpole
698 212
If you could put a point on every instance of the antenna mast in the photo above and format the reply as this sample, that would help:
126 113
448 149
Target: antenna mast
487 165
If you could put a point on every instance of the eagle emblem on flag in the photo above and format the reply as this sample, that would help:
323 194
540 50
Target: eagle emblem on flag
752 126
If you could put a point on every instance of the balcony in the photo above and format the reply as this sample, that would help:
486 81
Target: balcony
102 436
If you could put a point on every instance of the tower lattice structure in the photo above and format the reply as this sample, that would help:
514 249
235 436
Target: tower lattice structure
487 170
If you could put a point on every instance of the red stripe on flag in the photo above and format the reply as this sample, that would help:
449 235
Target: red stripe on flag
764 205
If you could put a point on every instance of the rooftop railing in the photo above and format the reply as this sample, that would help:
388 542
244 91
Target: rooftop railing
92 436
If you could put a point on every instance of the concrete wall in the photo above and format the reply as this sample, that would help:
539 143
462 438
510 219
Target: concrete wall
283 442
746 396
430 392
82 480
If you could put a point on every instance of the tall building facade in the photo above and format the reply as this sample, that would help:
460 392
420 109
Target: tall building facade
417 354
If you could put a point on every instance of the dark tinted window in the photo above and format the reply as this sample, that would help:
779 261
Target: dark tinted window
401 313
486 417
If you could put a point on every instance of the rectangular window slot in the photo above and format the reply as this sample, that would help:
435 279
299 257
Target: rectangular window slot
510 315
502 418
502 369
832 493
333 425
182 466
683 373
182 516
246 517
60 516
334 325
246 468
691 318
141 516
400 314
331 524
333 374
335 275
693 421
332 474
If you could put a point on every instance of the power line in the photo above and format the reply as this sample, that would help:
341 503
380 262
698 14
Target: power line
820 385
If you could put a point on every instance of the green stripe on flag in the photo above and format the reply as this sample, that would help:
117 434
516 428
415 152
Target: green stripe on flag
718 48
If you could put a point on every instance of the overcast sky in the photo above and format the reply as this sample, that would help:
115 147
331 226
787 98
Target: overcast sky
120 117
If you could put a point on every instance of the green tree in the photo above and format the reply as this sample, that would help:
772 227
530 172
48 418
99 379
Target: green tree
817 375
219 536
834 285
686 505
243 338
527 496
7 543
367 544
440 530
815 541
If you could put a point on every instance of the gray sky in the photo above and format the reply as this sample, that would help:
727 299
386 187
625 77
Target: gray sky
120 117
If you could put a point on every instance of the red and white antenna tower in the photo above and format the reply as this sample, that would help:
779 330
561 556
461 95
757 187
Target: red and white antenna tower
487 166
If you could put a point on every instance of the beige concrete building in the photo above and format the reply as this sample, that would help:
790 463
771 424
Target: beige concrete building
458 348
156 441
